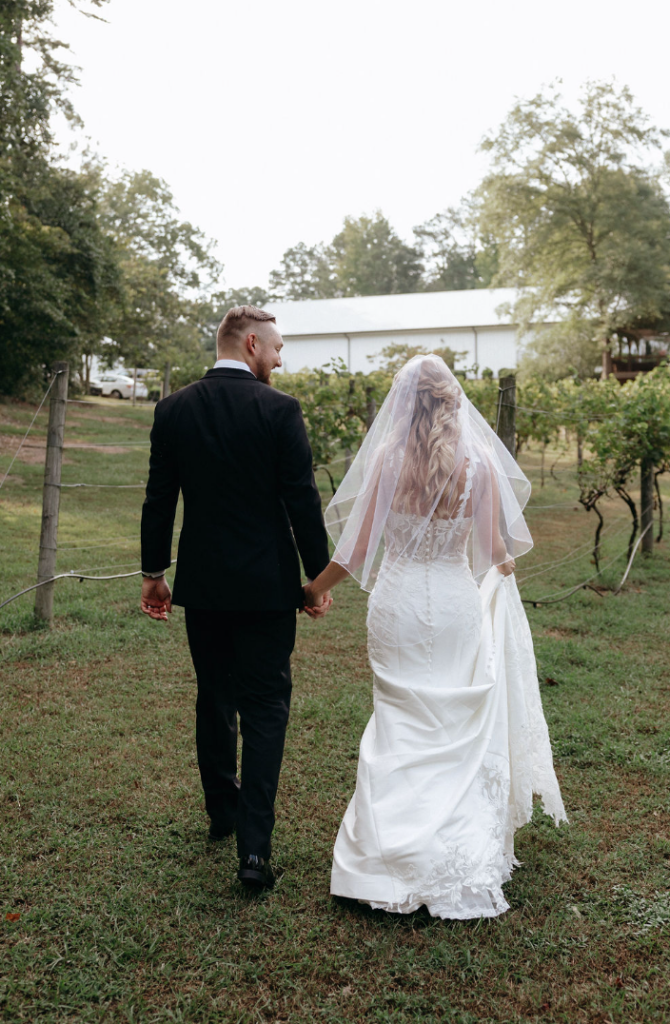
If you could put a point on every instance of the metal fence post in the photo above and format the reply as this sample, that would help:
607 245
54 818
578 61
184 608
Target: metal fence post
506 423
44 596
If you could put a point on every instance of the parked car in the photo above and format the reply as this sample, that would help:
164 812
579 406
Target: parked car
117 385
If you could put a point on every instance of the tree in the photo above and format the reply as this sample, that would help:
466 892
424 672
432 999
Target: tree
365 258
61 281
333 405
306 272
453 256
581 226
165 265
370 259
57 270
253 296
628 431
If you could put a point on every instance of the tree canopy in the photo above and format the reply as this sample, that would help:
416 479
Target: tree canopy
455 256
57 268
366 257
580 219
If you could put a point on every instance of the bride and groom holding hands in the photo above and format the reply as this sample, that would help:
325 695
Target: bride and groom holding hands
429 519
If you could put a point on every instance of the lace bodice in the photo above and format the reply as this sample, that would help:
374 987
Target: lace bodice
443 539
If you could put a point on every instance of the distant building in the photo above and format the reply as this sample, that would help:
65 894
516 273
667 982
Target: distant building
318 330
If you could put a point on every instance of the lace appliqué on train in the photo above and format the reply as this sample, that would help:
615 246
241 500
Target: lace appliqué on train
464 882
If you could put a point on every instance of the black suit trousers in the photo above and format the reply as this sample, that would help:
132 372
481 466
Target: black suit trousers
242 665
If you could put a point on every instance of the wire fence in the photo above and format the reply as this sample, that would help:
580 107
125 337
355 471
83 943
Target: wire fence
25 436
536 570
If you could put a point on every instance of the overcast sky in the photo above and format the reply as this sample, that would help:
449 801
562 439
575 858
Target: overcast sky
273 119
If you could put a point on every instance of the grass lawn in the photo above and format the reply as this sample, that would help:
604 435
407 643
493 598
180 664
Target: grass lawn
120 910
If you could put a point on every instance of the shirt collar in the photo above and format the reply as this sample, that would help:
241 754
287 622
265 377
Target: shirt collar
232 364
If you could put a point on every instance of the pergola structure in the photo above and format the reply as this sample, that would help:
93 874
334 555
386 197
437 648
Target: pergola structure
636 352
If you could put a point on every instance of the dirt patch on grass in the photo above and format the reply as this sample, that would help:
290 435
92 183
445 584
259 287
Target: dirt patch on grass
110 449
32 453
75 419
558 634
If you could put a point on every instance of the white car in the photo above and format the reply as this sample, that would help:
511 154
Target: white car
117 385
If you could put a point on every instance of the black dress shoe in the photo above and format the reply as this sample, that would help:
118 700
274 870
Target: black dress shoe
217 833
256 872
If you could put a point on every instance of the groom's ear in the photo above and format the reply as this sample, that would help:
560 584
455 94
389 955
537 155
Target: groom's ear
251 342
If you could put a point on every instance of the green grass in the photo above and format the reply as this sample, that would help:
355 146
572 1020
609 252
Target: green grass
128 914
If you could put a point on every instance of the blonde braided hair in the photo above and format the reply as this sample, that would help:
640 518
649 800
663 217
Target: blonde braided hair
430 453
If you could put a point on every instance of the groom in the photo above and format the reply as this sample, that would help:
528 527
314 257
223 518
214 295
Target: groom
237 449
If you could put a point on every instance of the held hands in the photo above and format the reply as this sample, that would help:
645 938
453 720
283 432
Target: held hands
316 604
156 598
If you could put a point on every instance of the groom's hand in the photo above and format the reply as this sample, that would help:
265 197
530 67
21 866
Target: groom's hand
156 598
316 605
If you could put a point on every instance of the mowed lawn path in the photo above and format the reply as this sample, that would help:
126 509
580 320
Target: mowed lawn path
120 910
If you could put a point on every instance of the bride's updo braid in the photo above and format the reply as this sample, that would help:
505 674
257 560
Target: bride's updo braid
430 454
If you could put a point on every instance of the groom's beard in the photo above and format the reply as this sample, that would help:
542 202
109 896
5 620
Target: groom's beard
263 375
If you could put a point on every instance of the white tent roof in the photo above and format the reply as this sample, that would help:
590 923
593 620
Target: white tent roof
368 314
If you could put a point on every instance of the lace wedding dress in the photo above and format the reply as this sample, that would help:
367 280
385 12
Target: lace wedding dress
457 744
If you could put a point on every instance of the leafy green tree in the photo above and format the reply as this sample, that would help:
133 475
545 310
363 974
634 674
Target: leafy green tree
581 225
57 270
453 256
165 264
365 258
253 296
628 432
539 416
370 259
483 394
63 285
305 272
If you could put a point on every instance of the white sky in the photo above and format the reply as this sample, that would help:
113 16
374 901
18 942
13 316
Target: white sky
273 119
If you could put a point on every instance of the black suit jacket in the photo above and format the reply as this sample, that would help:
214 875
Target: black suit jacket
238 451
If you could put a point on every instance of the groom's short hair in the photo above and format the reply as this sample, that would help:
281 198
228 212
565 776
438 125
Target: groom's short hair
238 321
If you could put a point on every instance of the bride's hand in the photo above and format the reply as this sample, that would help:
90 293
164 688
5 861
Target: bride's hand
507 568
316 604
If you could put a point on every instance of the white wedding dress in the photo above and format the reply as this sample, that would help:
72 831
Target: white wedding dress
457 744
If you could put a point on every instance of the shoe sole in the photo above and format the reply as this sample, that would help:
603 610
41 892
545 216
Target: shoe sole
255 879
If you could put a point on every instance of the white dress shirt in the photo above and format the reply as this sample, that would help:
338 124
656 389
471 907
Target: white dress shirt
232 364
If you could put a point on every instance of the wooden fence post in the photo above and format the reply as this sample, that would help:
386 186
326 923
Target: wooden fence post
506 424
44 596
371 408
647 505
165 391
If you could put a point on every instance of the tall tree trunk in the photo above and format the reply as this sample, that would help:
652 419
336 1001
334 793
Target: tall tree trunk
647 505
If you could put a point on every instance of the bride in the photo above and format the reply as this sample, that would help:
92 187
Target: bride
429 518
